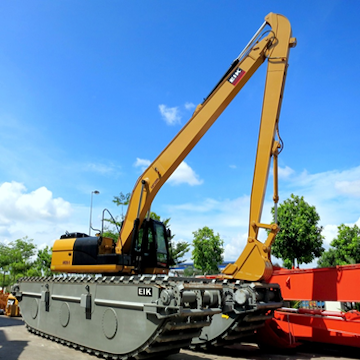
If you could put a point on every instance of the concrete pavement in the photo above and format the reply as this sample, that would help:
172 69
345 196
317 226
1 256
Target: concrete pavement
16 343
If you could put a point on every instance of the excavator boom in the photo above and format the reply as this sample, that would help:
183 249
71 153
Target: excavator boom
274 46
254 262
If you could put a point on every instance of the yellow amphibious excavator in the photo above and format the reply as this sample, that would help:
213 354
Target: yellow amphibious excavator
124 304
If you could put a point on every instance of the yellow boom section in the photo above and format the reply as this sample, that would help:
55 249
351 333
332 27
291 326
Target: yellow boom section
254 262
273 45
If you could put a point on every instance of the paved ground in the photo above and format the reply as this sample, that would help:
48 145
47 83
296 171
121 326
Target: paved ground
16 343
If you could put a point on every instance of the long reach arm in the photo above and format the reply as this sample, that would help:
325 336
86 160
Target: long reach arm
254 262
272 45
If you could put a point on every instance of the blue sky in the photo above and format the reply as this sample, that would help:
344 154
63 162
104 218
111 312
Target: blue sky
93 91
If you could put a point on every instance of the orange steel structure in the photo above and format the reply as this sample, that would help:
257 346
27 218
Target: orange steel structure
314 326
3 301
324 284
289 327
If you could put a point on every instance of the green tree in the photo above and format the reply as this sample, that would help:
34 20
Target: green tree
42 264
178 249
20 252
299 239
208 250
112 231
5 261
345 248
191 271
122 200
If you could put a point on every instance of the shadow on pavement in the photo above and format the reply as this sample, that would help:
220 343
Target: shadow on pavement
331 350
10 350
252 352
10 321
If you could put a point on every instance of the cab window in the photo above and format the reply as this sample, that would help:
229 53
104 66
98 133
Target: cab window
161 253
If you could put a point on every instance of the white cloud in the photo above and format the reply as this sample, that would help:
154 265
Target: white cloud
142 163
16 204
229 218
232 166
332 183
334 202
205 206
189 106
330 233
170 115
184 174
36 214
351 188
235 246
98 168
285 172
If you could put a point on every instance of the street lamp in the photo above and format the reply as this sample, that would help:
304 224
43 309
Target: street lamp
93 192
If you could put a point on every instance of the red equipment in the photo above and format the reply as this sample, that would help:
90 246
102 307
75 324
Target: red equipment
338 283
291 326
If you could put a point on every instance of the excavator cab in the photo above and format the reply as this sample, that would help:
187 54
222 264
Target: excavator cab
151 248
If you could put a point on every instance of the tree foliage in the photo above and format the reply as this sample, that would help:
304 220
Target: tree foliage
112 230
122 200
5 261
178 250
191 271
208 250
345 248
299 239
41 266
21 251
21 258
